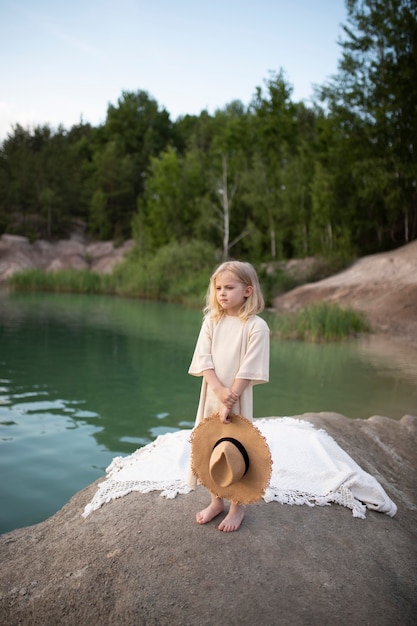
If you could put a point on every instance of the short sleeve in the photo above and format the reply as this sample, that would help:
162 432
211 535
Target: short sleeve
202 359
255 362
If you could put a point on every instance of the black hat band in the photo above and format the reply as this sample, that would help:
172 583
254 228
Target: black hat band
239 446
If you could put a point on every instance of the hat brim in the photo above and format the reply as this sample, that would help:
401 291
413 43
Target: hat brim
251 487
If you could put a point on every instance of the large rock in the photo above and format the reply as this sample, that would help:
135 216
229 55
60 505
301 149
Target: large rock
142 559
17 253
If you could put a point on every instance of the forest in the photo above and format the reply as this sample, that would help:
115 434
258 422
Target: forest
268 180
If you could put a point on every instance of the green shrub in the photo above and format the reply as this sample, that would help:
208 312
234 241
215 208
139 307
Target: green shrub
176 273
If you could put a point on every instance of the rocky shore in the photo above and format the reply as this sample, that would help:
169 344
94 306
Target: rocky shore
142 559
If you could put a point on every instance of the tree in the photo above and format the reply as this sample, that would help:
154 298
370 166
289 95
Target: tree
323 210
261 194
226 194
274 137
170 206
275 123
99 223
43 187
140 130
113 199
374 97
227 162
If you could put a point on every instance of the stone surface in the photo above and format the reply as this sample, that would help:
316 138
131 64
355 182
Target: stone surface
143 559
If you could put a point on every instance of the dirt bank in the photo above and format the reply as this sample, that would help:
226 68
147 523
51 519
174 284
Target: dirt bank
142 559
383 286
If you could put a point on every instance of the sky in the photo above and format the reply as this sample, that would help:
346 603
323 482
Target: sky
63 62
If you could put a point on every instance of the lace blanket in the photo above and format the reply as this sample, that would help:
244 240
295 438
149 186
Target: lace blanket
309 467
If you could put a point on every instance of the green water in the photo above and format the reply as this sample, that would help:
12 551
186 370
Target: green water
84 379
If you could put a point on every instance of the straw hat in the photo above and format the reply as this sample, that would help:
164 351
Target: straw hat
232 460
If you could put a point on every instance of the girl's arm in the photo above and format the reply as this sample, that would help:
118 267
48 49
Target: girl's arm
239 385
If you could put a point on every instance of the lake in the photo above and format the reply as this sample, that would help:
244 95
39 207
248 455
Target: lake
86 378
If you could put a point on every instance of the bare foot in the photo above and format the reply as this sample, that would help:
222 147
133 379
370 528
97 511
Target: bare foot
214 509
233 519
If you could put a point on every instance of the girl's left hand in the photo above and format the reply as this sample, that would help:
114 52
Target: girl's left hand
227 396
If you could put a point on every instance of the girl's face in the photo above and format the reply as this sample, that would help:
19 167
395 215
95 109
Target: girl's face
230 292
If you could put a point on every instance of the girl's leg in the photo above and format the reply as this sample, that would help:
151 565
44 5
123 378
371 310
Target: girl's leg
215 507
233 519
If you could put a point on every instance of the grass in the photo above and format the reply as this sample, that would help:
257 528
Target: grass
319 322
64 281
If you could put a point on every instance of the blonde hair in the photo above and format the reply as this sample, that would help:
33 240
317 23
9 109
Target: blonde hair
245 274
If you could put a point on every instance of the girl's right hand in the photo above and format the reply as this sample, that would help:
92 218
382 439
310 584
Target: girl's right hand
224 415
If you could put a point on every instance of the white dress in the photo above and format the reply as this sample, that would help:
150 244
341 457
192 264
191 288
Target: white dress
234 349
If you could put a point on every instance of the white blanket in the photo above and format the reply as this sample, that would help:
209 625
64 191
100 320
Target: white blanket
309 467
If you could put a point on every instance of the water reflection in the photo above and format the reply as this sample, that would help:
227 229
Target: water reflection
336 377
124 361
86 378
390 357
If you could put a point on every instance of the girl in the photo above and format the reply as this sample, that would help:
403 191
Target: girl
232 355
